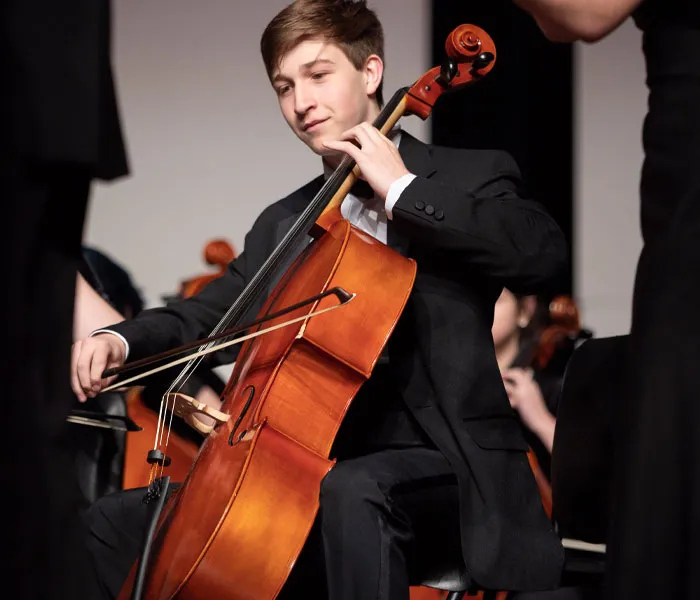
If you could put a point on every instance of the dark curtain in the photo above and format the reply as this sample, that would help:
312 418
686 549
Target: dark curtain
523 106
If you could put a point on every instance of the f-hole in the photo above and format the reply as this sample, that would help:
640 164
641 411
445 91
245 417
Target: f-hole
248 402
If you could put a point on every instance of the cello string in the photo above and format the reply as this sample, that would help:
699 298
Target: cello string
211 347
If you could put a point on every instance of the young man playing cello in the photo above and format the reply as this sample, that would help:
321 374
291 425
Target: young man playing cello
430 438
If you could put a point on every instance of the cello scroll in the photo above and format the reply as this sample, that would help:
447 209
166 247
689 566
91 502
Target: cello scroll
471 54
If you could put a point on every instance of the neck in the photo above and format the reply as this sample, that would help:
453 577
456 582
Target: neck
331 162
506 353
373 112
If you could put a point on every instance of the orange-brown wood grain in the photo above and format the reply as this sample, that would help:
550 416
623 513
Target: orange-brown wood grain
252 493
424 593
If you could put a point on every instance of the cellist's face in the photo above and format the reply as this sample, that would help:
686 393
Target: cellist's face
321 94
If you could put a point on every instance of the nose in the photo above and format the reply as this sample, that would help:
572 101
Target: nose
304 100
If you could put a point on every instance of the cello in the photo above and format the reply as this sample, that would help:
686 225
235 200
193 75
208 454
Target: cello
258 472
217 253
182 449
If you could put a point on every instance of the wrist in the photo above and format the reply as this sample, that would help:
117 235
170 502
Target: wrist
395 190
121 344
543 427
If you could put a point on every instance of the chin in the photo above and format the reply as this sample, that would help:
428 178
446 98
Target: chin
315 144
318 148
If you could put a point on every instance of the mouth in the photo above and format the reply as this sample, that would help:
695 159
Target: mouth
311 125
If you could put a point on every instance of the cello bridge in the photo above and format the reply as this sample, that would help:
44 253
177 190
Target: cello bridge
188 408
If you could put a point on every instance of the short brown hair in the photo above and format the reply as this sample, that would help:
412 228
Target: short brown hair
349 24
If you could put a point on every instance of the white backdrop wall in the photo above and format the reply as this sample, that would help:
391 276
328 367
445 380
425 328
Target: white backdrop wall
610 104
207 144
209 148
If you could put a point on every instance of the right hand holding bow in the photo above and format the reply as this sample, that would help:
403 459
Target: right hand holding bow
90 358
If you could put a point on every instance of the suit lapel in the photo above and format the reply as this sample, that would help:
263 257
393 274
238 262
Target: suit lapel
297 202
416 156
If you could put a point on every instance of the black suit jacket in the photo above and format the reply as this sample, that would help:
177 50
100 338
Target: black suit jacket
471 234
58 103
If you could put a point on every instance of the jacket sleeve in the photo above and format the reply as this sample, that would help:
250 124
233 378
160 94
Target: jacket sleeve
158 329
487 225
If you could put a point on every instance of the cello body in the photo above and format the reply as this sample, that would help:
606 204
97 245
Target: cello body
258 476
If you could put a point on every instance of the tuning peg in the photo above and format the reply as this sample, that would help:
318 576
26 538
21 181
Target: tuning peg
483 60
448 71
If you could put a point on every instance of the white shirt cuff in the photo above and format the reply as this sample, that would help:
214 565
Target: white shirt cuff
395 191
119 335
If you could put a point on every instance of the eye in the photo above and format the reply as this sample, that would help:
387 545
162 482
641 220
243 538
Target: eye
283 89
319 75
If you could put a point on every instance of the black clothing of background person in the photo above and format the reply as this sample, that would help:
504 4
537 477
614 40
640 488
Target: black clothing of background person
59 129
655 540
462 206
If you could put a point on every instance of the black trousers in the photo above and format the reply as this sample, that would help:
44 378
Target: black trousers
381 517
43 210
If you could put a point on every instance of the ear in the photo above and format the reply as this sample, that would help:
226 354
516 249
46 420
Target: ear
373 72
528 304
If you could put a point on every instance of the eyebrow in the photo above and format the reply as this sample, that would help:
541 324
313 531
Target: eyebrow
305 67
